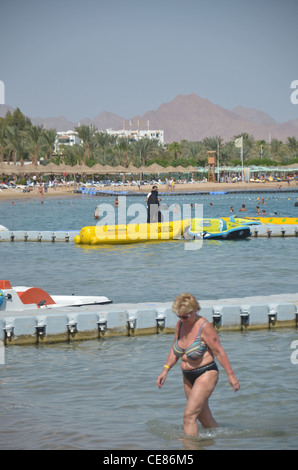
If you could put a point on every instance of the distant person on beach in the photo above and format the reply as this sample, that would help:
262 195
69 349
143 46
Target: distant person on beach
116 202
196 343
243 208
258 210
40 192
232 209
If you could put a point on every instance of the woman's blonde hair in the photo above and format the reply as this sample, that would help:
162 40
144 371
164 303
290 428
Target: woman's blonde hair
185 303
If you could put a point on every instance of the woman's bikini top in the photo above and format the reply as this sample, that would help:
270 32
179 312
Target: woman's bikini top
195 350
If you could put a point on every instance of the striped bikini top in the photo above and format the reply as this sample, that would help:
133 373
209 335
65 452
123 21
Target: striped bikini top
195 350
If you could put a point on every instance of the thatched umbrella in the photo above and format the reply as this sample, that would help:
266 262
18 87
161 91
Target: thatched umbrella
155 168
98 169
108 169
181 169
81 168
31 168
52 168
133 169
119 169
143 169
7 169
190 169
171 169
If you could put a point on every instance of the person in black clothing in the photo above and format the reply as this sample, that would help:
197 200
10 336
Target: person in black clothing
153 214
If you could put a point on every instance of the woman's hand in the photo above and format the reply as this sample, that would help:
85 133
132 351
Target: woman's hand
234 382
161 378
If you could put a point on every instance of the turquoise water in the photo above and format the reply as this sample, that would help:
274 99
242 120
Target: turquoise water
102 394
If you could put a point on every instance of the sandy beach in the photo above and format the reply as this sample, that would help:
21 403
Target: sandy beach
62 192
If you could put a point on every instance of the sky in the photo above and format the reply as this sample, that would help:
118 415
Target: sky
79 58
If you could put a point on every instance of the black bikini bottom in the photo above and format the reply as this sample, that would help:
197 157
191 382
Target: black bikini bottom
192 375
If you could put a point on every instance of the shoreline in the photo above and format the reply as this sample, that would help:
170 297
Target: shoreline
14 194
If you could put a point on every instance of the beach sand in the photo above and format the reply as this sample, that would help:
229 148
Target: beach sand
62 192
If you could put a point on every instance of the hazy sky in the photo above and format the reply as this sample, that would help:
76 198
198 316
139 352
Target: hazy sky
78 58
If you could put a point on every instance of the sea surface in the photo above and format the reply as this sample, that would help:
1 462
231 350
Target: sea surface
102 394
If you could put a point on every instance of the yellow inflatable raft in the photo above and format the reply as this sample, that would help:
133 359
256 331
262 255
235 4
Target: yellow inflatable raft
130 233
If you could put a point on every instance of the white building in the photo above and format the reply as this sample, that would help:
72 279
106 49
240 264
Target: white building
138 134
71 137
67 138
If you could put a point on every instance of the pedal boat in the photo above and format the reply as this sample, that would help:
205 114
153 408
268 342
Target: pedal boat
21 298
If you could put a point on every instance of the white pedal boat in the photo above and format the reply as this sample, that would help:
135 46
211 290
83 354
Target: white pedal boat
21 298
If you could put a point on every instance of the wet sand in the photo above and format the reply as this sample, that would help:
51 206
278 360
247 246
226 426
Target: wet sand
62 192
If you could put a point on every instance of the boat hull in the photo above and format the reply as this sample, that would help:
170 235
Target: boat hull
22 298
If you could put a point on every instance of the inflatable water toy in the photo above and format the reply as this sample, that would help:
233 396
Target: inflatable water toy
130 233
242 220
21 298
218 229
271 220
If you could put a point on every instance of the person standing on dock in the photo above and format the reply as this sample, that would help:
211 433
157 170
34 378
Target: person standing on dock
153 213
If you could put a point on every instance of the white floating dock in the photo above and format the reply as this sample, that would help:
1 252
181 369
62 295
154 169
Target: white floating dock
273 230
38 235
68 235
89 322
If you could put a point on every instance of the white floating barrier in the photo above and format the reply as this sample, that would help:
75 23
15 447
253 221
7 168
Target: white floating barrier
68 324
268 230
38 236
274 230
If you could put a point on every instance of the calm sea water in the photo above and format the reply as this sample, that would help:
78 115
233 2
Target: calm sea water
102 394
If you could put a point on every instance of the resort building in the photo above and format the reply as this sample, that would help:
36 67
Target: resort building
67 138
71 137
132 136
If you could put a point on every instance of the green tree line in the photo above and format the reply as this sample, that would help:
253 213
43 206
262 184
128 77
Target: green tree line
21 140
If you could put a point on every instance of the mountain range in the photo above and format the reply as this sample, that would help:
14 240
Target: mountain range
188 117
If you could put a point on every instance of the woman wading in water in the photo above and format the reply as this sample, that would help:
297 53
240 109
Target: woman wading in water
196 343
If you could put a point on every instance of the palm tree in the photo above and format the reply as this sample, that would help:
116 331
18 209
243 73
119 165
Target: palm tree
175 148
49 137
122 148
86 133
144 148
35 134
2 139
104 141
292 145
16 142
276 148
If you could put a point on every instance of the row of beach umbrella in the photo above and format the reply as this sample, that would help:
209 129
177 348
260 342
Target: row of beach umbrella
97 169
51 168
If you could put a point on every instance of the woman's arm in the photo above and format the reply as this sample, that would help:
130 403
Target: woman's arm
170 362
210 337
